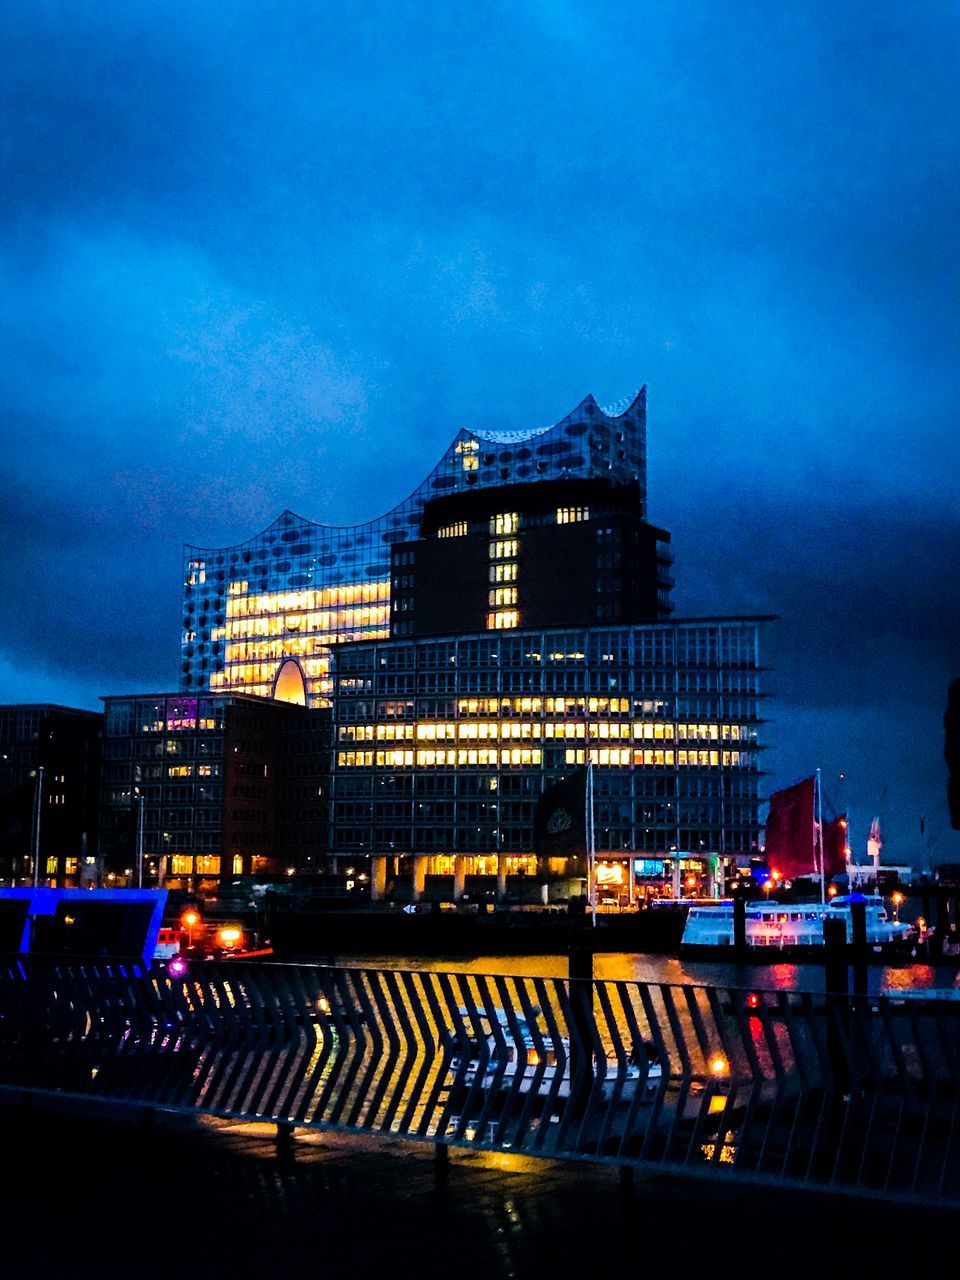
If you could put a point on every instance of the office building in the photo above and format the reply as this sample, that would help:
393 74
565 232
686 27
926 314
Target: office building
49 761
230 786
506 623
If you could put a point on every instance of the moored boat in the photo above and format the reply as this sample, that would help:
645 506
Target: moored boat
791 928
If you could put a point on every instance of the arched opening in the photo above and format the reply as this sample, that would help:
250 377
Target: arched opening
289 685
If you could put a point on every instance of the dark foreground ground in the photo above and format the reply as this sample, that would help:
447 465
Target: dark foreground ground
96 1196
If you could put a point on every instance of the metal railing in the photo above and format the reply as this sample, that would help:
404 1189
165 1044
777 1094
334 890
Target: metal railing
852 1092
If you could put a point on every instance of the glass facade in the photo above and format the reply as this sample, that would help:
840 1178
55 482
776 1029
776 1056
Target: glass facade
298 589
444 745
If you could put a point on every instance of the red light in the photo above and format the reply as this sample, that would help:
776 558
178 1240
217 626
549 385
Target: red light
753 1000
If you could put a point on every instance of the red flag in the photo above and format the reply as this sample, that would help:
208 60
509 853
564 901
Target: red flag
790 831
835 845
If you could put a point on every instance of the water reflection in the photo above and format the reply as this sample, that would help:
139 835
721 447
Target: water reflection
625 966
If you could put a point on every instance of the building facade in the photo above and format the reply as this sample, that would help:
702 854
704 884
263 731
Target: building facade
299 589
49 758
230 786
444 746
506 623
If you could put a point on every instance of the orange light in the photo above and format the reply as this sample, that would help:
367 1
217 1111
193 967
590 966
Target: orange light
719 1065
921 923
691 881
843 824
776 875
190 918
229 937
533 1058
898 898
832 891
768 885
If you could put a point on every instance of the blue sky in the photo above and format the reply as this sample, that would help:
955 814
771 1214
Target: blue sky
274 255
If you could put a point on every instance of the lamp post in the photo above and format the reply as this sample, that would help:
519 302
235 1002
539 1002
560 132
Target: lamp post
36 827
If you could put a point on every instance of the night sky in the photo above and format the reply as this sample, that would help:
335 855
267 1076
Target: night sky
259 256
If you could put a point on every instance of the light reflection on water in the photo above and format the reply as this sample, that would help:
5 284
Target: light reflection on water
626 966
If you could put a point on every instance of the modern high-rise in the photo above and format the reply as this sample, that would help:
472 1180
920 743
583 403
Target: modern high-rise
507 622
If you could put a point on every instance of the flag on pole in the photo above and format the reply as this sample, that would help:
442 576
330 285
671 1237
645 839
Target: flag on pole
791 831
559 823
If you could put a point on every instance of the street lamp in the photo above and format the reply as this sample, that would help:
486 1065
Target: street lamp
896 899
189 919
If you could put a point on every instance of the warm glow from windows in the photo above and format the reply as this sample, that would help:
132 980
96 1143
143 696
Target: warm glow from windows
503 595
570 515
503 550
457 530
468 451
503 621
503 572
289 685
445 757
261 630
504 523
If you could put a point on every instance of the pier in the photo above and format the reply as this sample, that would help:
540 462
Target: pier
838 1091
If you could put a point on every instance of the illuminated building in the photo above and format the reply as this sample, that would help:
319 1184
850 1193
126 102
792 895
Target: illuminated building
475 643
444 745
298 589
65 743
231 785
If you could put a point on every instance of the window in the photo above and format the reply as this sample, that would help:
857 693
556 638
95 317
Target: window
503 620
506 550
570 515
456 530
505 523
501 596
503 572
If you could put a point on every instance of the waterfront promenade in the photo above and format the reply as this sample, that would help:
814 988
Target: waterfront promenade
97 1195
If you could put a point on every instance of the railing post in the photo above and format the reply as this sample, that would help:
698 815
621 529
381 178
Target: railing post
835 983
858 932
739 927
284 1138
580 969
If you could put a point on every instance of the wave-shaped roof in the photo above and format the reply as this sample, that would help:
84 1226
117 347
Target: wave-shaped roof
590 442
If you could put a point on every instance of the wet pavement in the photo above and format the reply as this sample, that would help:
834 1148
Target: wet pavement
101 1194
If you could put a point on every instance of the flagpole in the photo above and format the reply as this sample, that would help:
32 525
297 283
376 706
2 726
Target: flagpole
818 839
139 842
36 827
591 842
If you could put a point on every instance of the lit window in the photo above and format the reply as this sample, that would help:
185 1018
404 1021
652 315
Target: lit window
570 515
501 596
503 620
457 530
503 550
504 523
503 572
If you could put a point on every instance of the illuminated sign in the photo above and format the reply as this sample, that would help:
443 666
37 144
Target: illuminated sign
610 873
647 867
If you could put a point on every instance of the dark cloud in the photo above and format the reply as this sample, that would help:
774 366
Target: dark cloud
274 256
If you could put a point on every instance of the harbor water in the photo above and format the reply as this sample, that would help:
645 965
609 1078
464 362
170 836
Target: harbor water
629 967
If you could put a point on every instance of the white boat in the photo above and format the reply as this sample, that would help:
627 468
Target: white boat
779 926
540 1058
